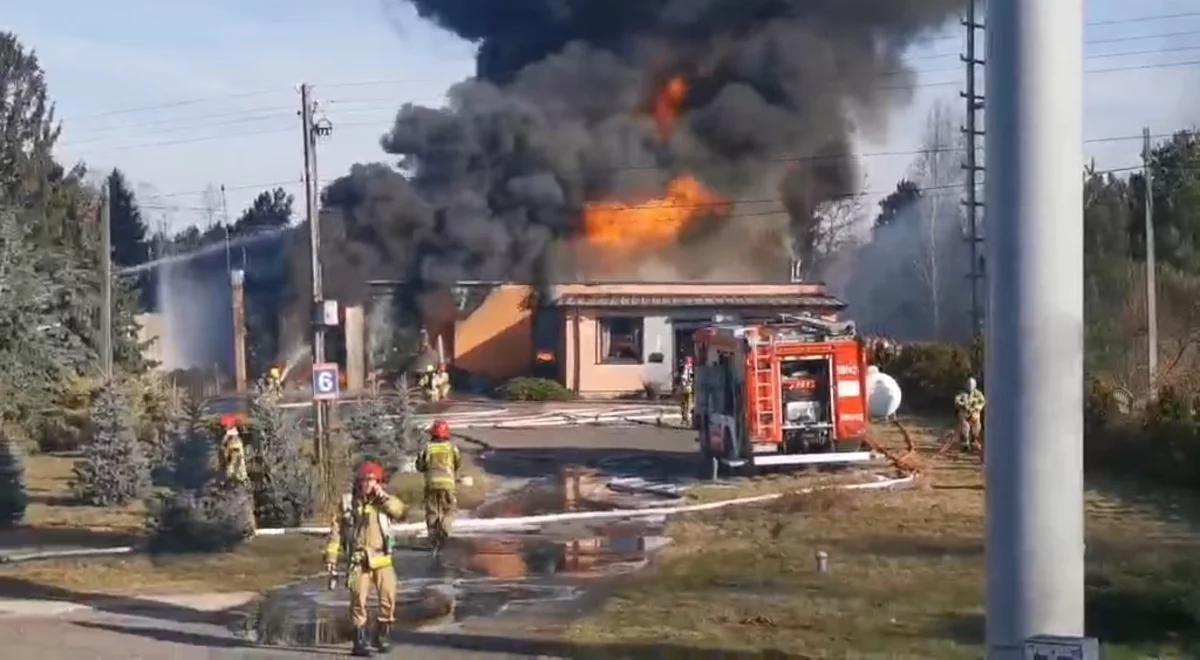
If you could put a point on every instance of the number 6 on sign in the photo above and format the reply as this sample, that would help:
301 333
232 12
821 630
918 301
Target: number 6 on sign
325 382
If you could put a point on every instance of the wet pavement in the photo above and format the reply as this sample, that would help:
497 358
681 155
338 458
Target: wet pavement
479 577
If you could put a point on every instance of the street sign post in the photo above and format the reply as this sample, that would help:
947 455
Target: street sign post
325 382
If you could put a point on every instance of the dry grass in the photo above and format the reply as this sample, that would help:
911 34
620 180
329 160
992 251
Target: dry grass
906 577
55 520
411 488
52 504
266 563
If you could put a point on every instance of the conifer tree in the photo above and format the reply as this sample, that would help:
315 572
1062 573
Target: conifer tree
12 482
113 471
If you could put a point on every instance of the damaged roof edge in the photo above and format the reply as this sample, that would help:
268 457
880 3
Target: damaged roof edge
683 300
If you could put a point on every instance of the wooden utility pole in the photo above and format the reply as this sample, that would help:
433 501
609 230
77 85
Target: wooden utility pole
314 231
106 320
1151 288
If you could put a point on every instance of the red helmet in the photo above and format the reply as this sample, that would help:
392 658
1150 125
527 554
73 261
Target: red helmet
370 470
440 430
229 422
688 359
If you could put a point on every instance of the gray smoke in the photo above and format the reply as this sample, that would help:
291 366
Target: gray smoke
561 114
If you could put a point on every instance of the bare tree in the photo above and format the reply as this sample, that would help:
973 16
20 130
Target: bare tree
836 223
937 170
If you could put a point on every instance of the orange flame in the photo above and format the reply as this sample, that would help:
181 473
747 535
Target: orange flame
653 223
667 105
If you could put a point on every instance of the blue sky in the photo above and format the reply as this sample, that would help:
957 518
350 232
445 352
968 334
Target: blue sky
229 68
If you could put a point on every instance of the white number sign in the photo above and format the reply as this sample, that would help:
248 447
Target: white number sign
325 382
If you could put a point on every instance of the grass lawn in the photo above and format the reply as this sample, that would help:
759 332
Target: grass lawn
906 578
55 520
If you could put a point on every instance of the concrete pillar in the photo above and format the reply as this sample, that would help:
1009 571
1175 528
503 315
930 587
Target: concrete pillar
1034 373
356 348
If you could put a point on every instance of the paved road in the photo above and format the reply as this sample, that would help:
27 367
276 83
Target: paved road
103 636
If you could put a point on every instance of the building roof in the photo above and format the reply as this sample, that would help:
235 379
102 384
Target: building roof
694 300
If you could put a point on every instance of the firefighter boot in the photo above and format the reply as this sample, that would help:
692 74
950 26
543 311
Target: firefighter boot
360 650
383 637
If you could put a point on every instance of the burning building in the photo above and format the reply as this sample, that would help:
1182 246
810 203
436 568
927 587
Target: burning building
600 340
653 141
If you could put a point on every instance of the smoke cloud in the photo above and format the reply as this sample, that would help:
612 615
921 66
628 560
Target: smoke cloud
561 114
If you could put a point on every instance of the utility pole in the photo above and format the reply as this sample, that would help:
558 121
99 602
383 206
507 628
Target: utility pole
106 320
1151 270
973 134
1034 375
307 106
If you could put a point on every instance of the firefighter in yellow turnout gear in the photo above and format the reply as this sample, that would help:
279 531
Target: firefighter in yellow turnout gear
687 389
360 537
232 457
441 462
968 407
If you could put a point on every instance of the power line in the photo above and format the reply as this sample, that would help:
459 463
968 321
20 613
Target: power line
176 129
1142 19
176 104
245 186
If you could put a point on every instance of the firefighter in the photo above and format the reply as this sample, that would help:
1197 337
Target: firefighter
428 383
687 399
968 407
441 381
275 381
441 462
360 536
232 456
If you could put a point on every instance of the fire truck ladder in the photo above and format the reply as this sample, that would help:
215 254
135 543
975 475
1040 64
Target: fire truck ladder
766 386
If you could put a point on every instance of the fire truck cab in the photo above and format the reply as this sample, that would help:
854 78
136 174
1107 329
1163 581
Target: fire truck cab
788 392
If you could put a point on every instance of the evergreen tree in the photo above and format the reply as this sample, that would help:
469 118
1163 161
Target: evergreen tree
27 168
129 243
373 435
270 210
198 513
113 471
284 480
409 436
193 455
12 482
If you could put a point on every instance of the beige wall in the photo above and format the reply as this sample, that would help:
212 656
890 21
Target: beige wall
597 379
496 340
153 327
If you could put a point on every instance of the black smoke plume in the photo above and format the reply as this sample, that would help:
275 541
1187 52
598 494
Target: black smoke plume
560 115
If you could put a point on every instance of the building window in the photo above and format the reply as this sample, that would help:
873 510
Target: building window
621 340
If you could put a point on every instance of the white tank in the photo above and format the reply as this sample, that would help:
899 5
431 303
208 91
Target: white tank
883 394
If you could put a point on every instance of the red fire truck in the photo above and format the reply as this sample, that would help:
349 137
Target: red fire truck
787 392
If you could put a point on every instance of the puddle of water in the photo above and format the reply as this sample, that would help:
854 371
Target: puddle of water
478 576
474 577
575 489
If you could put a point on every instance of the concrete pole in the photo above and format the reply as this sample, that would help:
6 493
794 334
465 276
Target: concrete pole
1034 373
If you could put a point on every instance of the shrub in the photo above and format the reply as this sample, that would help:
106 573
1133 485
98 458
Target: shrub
534 389
283 478
215 519
198 513
372 435
193 448
1159 445
12 482
931 374
113 471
